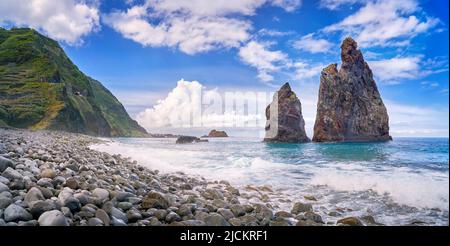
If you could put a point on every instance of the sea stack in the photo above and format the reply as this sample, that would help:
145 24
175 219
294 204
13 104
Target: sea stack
285 121
350 107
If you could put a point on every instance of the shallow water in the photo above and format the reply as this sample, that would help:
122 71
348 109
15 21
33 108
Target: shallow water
396 182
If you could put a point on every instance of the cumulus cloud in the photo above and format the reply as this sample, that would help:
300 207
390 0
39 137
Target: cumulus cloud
191 34
310 44
384 23
264 60
175 109
63 20
396 68
190 104
219 7
393 70
191 26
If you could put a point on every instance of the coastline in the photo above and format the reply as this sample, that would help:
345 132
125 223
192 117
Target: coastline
57 173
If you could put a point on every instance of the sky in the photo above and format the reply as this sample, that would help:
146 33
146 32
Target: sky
151 53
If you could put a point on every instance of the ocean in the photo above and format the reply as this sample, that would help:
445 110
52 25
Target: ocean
398 182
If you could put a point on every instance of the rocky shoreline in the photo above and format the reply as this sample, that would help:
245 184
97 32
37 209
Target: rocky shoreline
51 178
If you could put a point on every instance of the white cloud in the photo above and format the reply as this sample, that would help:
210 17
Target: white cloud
265 61
273 33
191 34
206 7
411 120
191 26
184 107
219 7
396 68
335 4
304 70
288 5
175 109
393 70
384 23
63 20
310 44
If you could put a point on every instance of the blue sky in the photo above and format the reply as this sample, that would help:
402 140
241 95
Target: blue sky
140 49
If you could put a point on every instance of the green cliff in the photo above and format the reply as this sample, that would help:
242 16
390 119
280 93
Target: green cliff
40 88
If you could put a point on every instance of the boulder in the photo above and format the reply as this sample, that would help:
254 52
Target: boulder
285 121
48 173
350 107
68 200
12 174
155 200
3 187
5 163
16 213
215 219
301 208
350 221
39 207
53 218
101 194
217 134
33 195
189 139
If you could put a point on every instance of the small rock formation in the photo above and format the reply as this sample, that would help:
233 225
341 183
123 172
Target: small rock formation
189 139
285 121
350 107
217 134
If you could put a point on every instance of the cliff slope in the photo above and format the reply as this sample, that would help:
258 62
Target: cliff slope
40 88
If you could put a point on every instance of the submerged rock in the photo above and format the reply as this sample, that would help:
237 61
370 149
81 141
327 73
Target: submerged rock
285 121
189 139
350 107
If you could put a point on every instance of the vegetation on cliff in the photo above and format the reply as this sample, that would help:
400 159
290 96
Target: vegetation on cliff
40 88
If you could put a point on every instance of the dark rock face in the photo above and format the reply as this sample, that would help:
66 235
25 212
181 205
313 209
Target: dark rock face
217 134
189 139
285 121
350 107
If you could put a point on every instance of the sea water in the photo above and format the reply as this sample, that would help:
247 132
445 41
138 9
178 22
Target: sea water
398 182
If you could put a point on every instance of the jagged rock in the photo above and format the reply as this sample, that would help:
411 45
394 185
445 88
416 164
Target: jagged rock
189 139
217 134
350 107
285 121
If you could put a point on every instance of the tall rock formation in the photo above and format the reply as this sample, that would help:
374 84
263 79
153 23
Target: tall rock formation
350 107
40 88
284 118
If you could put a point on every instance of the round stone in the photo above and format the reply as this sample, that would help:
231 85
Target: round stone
53 218
33 195
48 173
16 213
100 193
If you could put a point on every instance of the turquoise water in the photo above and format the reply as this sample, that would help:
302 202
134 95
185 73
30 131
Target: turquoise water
396 182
